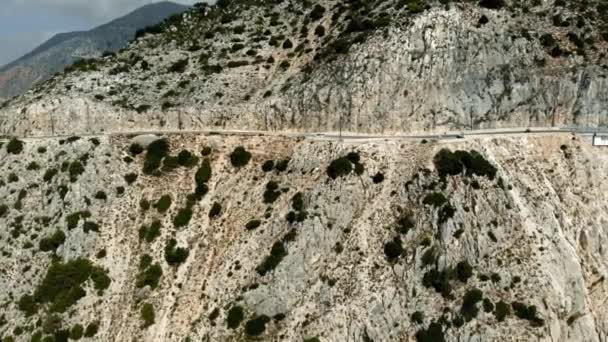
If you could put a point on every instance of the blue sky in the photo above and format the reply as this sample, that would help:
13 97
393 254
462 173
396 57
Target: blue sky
25 24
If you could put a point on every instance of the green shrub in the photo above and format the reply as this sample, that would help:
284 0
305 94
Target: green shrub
405 222
151 233
3 210
235 316
52 242
147 314
14 146
257 325
339 168
529 313
49 174
101 195
469 309
33 166
215 211
76 332
451 164
464 271
436 199
282 165
72 220
62 284
136 149
145 261
277 253
317 13
149 276
130 178
297 202
179 66
439 280
12 177
182 218
492 4
240 157
90 226
186 159
429 257
393 249
418 317
502 311
434 333
156 151
203 175
163 204
488 306
268 166
27 304
175 255
91 329
75 170
206 151
253 224
272 192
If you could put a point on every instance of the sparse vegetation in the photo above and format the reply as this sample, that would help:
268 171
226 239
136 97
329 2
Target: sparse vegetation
277 253
62 285
52 242
147 314
182 218
235 316
257 325
175 255
240 157
14 146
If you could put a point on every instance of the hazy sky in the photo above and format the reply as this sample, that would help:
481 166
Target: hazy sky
25 24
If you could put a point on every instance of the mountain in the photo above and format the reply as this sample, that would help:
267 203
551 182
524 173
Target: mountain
135 208
270 238
65 48
364 66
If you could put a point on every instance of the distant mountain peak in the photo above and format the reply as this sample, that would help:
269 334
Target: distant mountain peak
64 48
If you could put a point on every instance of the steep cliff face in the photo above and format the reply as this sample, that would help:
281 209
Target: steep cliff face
374 241
375 66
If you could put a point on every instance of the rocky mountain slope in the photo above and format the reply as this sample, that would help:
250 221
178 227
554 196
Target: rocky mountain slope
215 238
64 49
365 66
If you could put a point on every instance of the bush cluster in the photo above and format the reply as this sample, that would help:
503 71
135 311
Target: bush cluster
277 253
147 314
175 255
14 146
240 157
156 151
52 242
343 166
62 285
149 274
451 164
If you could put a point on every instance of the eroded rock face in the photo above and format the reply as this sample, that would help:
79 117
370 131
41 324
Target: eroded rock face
360 256
438 70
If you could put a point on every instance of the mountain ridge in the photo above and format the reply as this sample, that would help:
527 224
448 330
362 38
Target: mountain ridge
109 37
378 66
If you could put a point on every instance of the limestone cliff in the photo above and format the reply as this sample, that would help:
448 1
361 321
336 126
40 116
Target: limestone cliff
364 66
350 241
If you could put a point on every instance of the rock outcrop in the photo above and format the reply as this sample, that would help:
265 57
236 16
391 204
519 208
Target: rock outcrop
325 65
377 240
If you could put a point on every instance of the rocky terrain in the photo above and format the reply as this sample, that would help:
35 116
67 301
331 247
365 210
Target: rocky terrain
64 49
366 66
230 238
